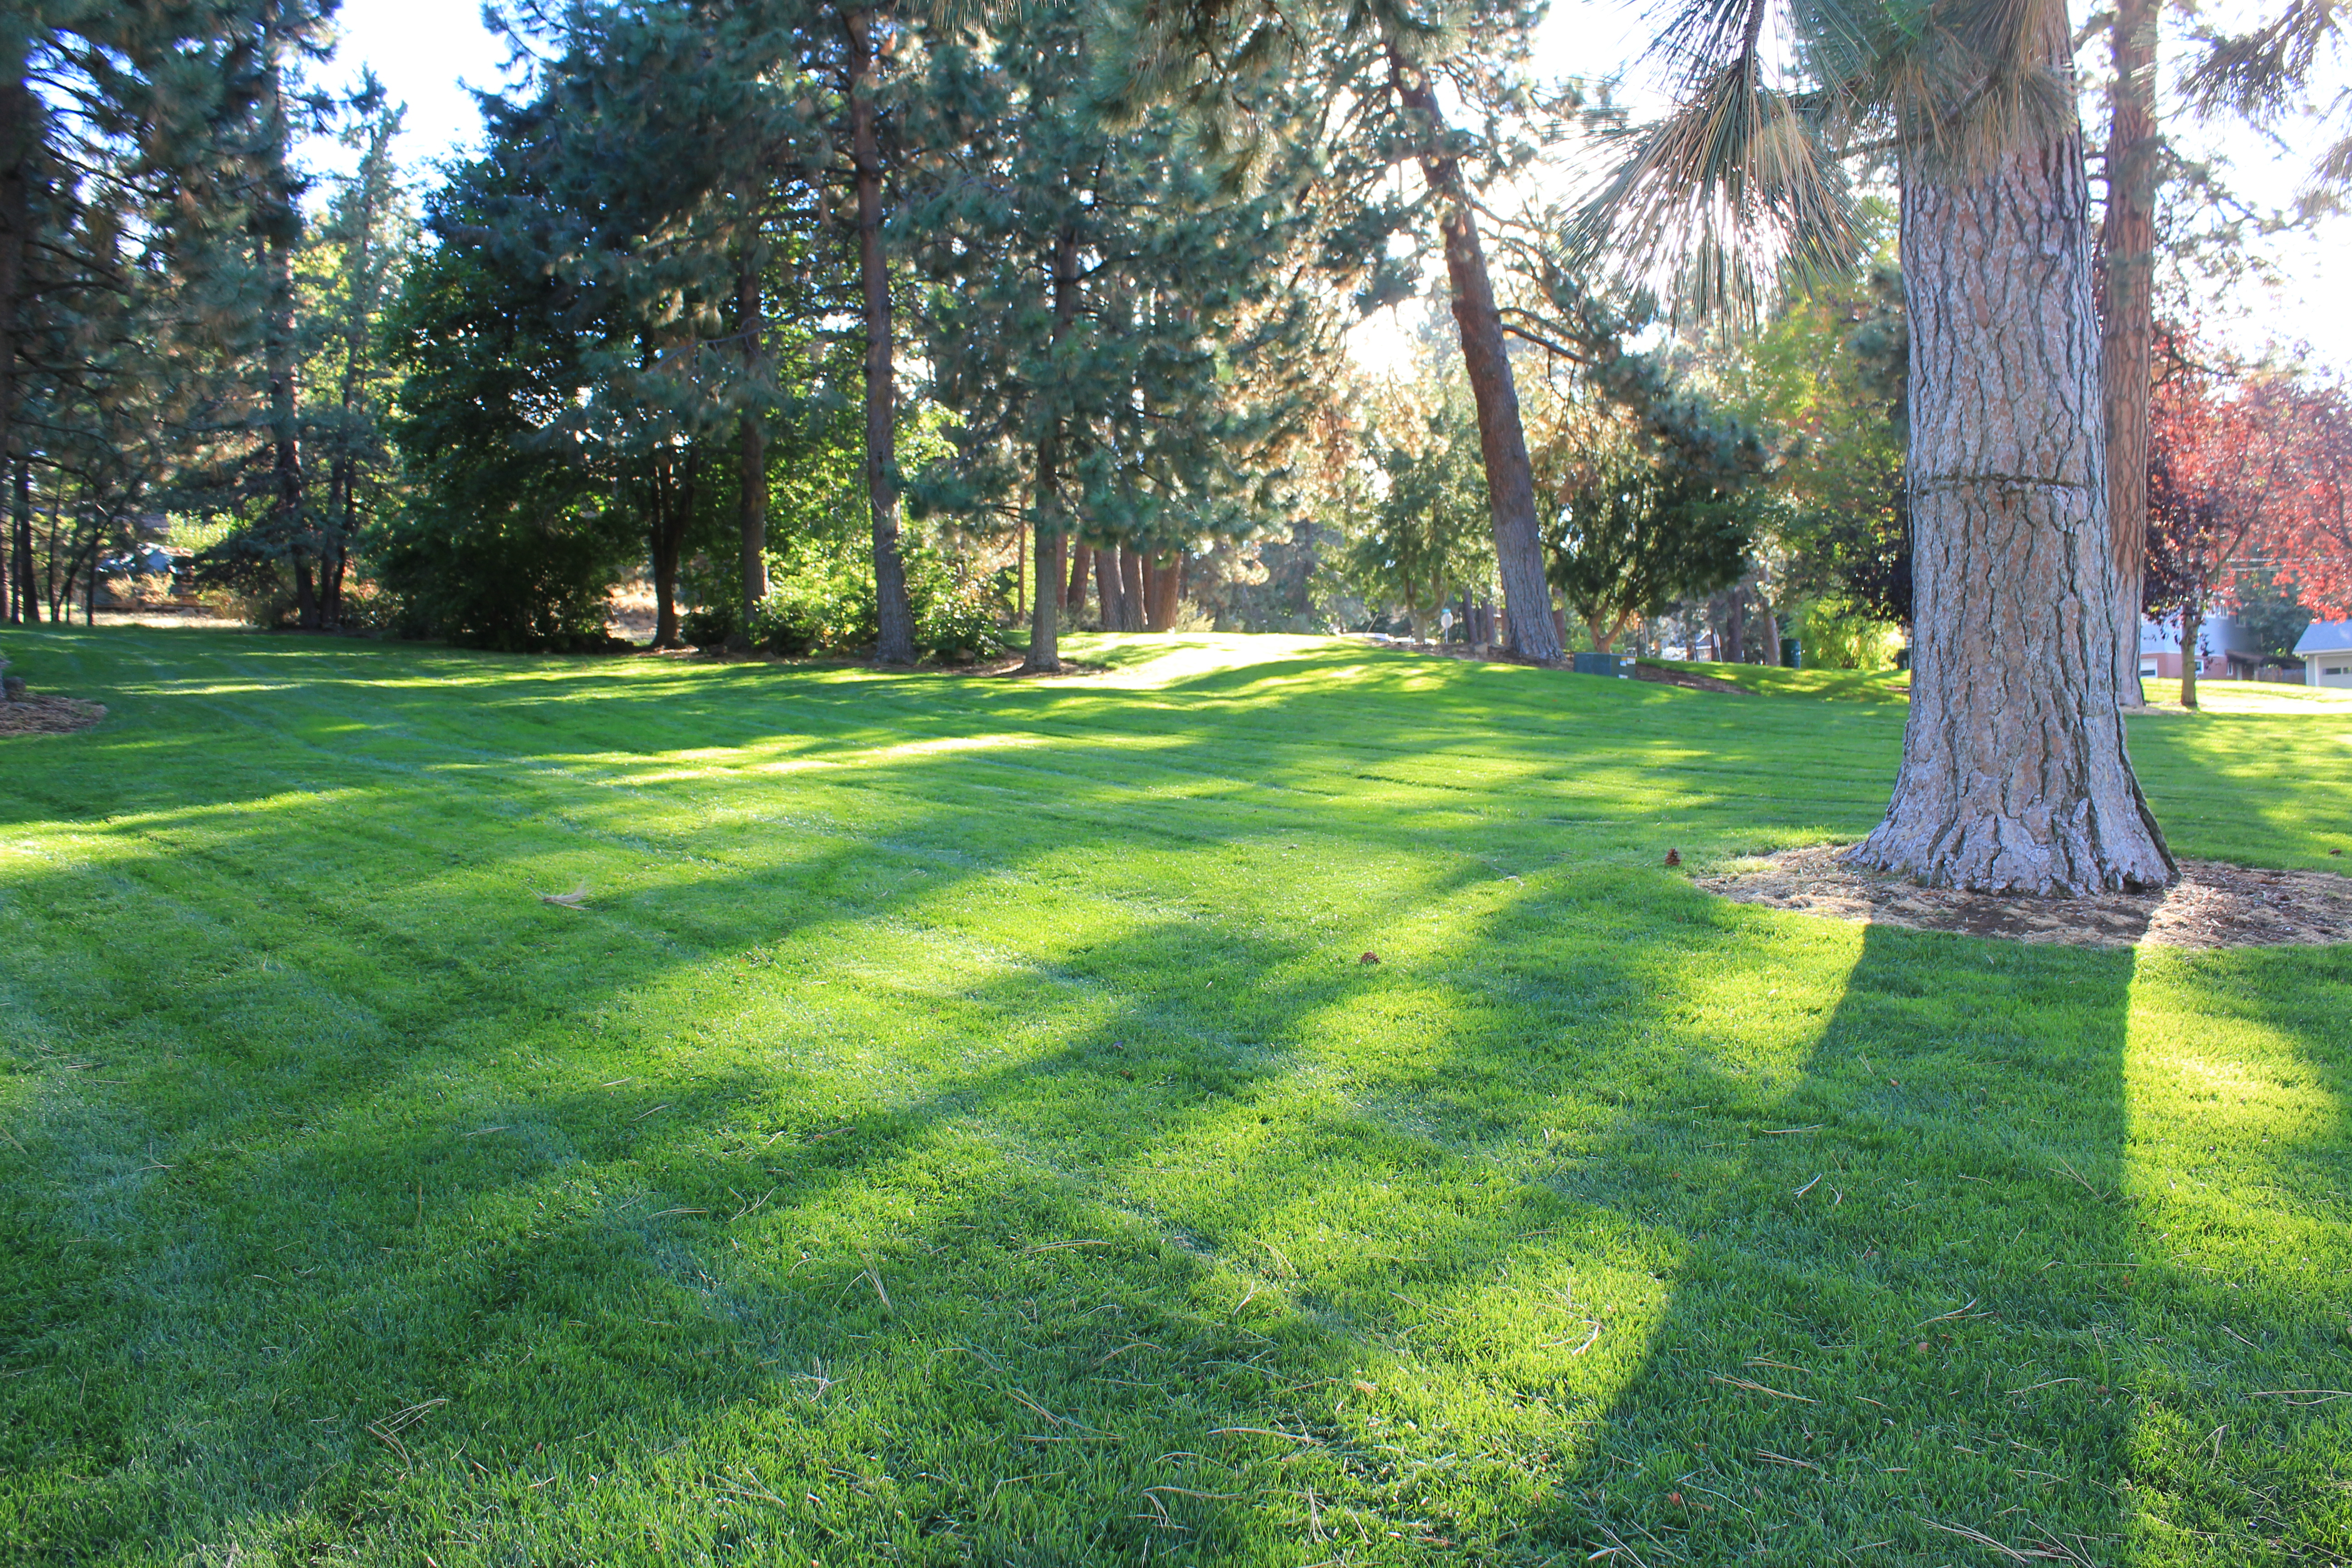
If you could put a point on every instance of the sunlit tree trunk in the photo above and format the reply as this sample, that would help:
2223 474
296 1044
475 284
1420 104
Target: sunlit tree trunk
1082 561
1502 438
2015 776
1130 582
1044 614
2127 243
752 451
1110 587
893 617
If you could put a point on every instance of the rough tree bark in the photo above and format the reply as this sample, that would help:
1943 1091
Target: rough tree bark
2015 774
1110 587
1502 439
752 452
1163 590
1130 582
894 618
1082 561
2127 246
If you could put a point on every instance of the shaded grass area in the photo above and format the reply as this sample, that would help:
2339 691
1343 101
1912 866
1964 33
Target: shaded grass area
956 1126
1837 685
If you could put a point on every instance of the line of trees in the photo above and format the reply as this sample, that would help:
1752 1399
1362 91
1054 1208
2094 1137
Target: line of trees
835 316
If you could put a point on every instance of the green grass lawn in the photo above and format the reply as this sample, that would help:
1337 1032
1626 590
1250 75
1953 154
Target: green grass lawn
956 1125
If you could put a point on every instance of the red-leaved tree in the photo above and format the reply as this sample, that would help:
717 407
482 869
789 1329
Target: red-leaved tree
2311 540
2230 468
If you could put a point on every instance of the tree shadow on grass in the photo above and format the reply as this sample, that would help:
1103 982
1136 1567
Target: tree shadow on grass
1891 1327
2240 1311
1126 1251
1260 1201
1032 1254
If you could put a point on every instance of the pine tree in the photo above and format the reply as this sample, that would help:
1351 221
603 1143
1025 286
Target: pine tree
1128 351
2015 774
1385 62
112 170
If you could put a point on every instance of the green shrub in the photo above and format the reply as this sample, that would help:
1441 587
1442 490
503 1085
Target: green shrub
707 625
824 603
1835 635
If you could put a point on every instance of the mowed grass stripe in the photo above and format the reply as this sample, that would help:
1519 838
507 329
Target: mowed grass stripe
997 1152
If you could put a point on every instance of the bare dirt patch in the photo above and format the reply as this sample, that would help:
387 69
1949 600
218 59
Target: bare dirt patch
48 716
2213 905
1644 670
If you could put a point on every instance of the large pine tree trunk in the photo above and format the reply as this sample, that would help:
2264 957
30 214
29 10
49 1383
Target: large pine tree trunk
1044 655
1130 582
894 618
1163 590
1502 439
2127 241
1110 587
1082 561
2015 777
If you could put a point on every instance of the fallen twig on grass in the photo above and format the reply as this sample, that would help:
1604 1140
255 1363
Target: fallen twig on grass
2050 1552
1760 1388
1784 1459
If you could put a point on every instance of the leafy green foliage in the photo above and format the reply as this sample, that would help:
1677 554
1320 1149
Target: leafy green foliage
1650 492
2270 612
822 601
1425 533
1825 379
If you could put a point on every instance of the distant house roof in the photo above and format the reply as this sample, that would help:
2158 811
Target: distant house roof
2219 634
2326 636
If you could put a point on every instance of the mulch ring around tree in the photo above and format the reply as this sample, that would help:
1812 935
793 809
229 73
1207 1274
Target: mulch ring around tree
2213 905
48 716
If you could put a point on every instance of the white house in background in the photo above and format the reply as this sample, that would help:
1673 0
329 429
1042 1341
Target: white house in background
2225 652
2325 650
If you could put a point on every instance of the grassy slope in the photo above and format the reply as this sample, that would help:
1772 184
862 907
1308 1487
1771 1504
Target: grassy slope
958 1128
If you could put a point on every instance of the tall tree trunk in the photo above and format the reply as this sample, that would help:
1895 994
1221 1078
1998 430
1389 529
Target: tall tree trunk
1502 439
1110 587
1735 626
670 507
1044 656
1166 592
1130 582
2193 632
280 221
752 452
20 115
20 547
2015 774
285 420
1082 561
894 619
2127 243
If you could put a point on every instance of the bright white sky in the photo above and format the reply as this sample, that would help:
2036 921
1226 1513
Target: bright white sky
423 49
